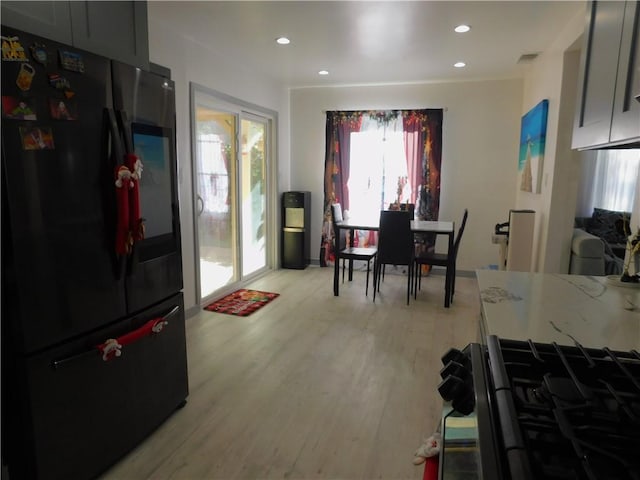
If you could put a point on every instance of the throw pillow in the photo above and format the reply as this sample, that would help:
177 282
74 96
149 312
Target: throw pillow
611 226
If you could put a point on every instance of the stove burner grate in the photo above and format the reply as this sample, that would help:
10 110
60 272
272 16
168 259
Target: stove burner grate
575 411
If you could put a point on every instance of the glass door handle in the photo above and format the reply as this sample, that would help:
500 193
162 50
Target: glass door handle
200 205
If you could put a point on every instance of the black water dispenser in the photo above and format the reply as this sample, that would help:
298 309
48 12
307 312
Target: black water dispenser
296 229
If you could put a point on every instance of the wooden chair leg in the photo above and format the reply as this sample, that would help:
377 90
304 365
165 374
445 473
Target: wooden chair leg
453 282
447 288
336 276
366 290
375 278
409 278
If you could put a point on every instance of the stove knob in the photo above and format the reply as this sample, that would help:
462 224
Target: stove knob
464 404
452 387
455 355
452 355
456 369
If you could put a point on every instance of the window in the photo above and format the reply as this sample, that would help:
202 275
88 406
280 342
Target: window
378 166
376 158
609 181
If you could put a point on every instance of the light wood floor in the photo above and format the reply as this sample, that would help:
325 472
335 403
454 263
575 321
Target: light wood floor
311 386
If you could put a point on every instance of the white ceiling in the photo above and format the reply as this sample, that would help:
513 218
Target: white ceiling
367 42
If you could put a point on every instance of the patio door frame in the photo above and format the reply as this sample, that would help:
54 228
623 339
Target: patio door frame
247 111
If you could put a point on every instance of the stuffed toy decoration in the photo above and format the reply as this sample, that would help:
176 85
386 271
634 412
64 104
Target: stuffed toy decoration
112 347
130 227
123 185
136 222
430 448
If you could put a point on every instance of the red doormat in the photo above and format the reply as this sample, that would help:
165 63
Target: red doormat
242 302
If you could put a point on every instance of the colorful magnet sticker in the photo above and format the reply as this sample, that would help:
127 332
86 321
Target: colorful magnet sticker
69 93
63 109
71 61
39 53
56 81
18 108
25 76
12 50
36 138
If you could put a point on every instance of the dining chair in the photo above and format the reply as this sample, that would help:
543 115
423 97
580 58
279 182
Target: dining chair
447 260
409 207
395 246
346 252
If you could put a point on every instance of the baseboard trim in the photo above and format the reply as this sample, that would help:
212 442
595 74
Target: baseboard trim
190 312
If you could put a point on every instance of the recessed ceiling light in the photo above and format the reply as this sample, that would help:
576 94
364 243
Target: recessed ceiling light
283 41
323 72
459 64
462 28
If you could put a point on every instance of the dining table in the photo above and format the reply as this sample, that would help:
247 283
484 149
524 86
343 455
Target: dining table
437 227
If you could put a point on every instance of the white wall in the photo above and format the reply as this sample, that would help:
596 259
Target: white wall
480 140
553 76
193 62
480 149
479 157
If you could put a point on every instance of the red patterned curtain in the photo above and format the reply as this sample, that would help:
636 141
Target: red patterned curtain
423 128
422 131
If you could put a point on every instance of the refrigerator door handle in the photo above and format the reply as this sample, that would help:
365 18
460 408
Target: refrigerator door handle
125 128
116 139
112 347
117 154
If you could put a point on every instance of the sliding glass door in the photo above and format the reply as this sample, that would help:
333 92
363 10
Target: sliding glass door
253 134
231 156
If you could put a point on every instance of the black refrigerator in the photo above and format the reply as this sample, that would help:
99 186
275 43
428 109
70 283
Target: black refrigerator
93 334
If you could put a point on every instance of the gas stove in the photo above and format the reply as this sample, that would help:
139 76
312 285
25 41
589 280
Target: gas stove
546 411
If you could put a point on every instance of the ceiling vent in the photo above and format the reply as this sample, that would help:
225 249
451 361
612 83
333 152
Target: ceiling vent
528 57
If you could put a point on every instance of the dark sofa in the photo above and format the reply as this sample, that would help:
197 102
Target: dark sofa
613 228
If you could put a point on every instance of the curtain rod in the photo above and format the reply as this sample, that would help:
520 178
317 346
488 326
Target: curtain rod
444 109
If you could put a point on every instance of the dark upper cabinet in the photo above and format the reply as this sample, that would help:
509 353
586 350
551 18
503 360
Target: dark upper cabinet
114 29
607 113
625 123
117 30
49 19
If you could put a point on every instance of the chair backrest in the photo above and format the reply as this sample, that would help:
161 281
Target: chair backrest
336 212
410 207
395 239
339 236
460 232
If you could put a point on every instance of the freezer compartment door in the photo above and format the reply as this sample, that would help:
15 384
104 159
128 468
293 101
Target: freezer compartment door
78 413
160 375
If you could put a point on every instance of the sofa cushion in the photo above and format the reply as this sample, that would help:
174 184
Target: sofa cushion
586 245
610 225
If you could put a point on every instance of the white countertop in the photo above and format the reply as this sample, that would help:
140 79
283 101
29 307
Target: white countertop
560 308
